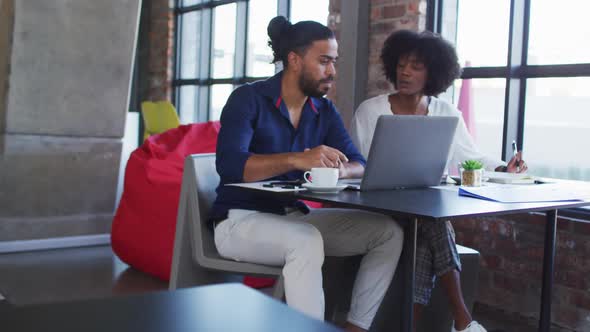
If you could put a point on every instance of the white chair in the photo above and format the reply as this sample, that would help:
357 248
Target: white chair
195 260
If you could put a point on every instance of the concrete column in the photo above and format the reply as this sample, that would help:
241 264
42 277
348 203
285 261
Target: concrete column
65 69
6 26
353 54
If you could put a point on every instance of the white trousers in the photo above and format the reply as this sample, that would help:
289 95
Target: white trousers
298 242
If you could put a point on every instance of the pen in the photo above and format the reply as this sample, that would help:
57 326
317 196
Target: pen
514 153
283 184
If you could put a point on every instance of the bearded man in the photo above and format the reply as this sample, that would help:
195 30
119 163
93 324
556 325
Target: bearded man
277 129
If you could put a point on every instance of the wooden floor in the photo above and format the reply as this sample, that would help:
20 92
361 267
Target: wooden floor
94 272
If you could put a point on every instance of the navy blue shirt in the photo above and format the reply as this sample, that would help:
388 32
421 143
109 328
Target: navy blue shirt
255 120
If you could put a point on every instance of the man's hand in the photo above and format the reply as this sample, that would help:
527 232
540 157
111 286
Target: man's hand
320 156
260 166
343 171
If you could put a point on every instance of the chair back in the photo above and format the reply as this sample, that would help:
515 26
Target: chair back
201 168
195 255
158 117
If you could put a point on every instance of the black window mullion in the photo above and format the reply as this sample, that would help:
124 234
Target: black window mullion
515 86
434 15
567 70
205 66
524 60
205 5
484 72
213 81
284 8
176 70
247 30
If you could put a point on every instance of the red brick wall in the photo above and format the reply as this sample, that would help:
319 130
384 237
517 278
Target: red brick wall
512 262
160 50
388 16
334 24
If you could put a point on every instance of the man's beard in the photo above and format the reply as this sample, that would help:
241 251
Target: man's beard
311 87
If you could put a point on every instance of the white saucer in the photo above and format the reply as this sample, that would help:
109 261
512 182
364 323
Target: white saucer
324 190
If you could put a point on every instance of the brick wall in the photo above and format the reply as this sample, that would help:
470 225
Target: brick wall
160 50
512 262
388 16
334 24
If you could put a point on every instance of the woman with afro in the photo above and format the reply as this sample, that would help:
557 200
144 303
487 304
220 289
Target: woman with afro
421 66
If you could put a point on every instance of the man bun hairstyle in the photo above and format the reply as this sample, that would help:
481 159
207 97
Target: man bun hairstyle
286 37
278 32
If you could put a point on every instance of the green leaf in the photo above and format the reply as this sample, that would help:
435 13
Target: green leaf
470 165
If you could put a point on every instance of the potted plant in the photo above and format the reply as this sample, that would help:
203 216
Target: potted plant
471 173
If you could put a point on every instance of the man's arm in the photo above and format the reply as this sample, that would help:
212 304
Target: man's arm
339 138
259 167
234 138
235 163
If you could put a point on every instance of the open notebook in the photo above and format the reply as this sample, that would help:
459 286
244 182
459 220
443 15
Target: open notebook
509 178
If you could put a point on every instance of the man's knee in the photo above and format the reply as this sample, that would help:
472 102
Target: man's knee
307 241
392 230
389 233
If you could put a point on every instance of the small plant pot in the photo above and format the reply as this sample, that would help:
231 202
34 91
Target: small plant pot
471 178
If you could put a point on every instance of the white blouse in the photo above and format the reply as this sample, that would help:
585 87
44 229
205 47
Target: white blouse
463 148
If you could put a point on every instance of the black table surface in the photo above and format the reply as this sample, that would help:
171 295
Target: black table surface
435 204
428 203
226 307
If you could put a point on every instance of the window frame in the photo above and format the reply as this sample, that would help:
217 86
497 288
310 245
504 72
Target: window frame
516 72
204 84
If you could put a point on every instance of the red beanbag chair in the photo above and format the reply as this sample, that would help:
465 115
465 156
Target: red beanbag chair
144 226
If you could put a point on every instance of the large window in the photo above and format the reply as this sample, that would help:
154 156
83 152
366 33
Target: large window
222 44
526 78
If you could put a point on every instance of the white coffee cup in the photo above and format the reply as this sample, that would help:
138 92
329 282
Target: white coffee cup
322 176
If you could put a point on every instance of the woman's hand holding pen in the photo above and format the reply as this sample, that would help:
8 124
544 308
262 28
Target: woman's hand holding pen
516 164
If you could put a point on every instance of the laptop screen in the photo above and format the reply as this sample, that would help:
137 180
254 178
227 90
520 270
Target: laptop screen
408 151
